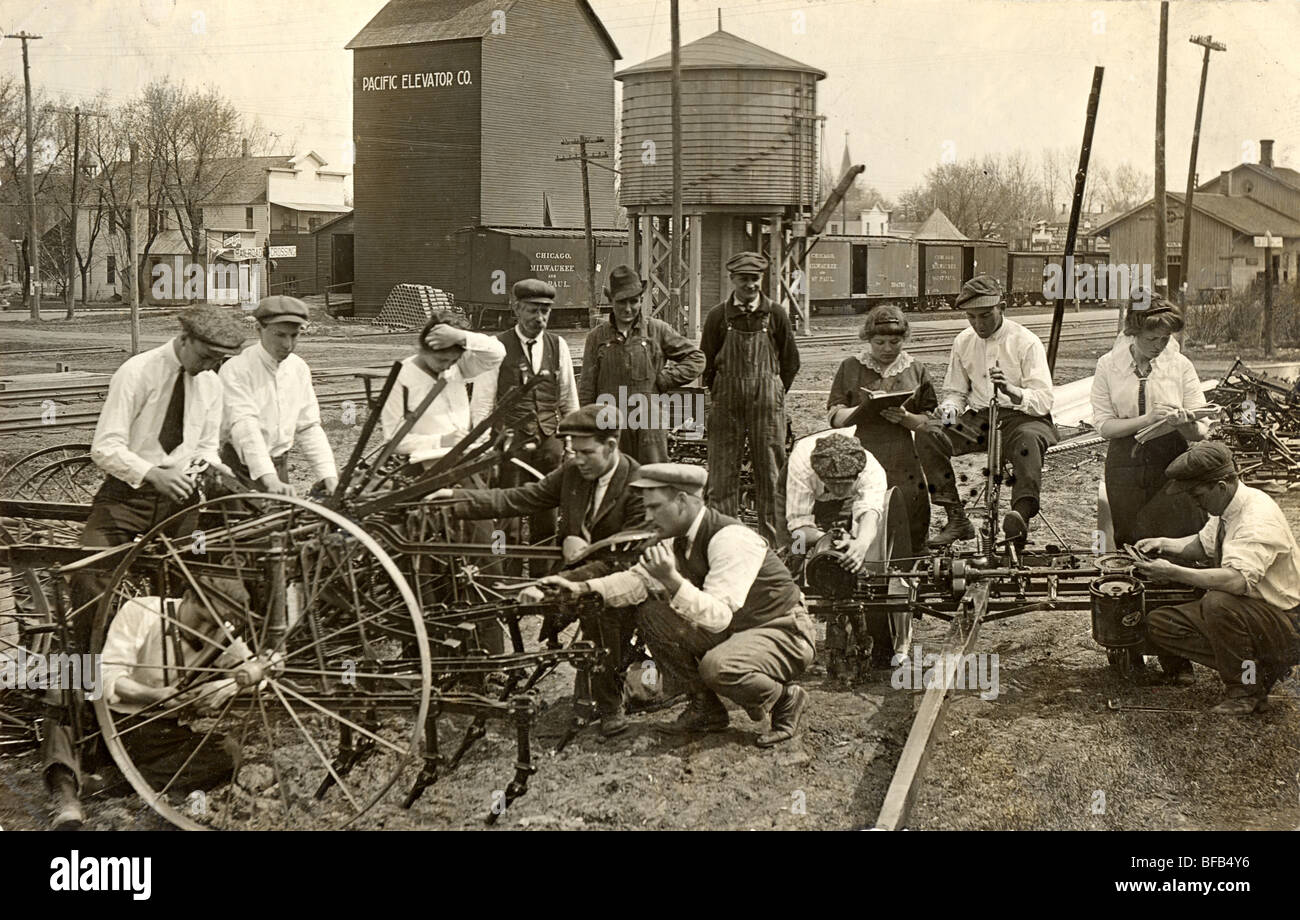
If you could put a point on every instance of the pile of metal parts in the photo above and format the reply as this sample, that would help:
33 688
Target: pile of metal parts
1261 424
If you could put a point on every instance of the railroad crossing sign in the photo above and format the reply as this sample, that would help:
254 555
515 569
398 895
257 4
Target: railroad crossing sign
284 252
1268 241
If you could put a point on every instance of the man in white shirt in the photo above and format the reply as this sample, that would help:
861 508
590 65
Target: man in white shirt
162 415
1247 624
530 350
996 358
734 624
270 403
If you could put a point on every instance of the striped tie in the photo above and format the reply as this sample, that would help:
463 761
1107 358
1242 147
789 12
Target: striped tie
1142 391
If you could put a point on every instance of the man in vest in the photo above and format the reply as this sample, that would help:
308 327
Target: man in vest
734 625
592 495
750 360
1247 624
630 360
530 350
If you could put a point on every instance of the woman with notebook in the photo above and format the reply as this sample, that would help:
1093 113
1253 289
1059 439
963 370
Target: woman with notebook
866 394
1145 401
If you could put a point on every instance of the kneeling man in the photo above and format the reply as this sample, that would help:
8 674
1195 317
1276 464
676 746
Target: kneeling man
1247 625
734 625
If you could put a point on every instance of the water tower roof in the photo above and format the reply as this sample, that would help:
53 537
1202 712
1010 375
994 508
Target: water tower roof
722 51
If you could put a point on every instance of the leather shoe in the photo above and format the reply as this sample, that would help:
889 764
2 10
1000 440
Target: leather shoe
1177 671
1014 526
1237 706
69 817
613 724
705 713
957 528
786 714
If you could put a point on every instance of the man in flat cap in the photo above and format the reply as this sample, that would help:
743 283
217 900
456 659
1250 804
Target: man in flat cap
531 350
630 360
591 493
750 360
995 359
161 421
1247 624
270 403
734 625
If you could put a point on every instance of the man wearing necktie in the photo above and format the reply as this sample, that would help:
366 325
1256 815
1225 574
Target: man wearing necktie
1247 624
592 495
734 624
162 412
750 361
530 351
995 359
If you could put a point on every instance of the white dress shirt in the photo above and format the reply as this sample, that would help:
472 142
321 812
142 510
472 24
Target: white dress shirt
736 554
1017 351
485 390
1258 543
1172 382
268 406
126 445
448 418
803 487
134 648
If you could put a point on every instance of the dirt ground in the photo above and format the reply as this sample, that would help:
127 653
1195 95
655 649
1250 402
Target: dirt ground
1046 753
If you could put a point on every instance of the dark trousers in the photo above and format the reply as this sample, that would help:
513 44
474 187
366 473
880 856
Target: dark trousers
747 411
1025 438
1135 491
118 514
750 667
547 456
645 445
1225 631
231 459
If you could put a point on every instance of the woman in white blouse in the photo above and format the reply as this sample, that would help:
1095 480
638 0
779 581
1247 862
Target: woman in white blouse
1139 382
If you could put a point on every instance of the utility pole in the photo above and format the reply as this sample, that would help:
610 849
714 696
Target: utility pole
1161 278
33 237
76 114
135 286
1206 41
675 238
582 141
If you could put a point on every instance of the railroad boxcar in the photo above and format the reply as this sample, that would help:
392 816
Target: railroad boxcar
1027 275
944 267
494 258
854 273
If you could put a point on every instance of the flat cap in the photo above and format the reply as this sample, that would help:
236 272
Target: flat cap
592 421
979 292
1204 461
684 476
534 290
837 456
623 281
219 327
281 309
754 262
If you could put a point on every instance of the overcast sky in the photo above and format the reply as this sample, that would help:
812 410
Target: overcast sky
908 79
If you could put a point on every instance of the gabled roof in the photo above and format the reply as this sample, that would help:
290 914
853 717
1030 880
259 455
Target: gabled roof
1245 215
244 179
1283 174
723 51
938 227
414 22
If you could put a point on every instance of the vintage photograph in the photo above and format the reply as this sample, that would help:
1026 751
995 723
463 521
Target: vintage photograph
649 415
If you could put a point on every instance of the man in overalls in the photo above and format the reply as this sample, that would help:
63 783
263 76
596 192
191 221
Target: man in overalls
628 361
530 350
750 360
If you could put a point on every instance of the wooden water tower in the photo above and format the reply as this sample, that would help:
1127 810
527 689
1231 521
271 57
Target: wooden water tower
749 166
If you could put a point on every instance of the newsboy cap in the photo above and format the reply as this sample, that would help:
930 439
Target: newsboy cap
597 420
754 262
281 309
837 456
684 476
534 290
1204 461
979 292
623 282
216 326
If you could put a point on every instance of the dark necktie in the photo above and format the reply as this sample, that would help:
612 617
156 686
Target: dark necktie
1218 543
172 432
1142 390
590 516
529 345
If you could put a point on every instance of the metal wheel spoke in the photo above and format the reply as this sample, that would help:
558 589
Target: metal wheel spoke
338 718
316 747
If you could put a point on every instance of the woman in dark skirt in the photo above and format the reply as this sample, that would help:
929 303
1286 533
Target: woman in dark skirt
1139 382
884 366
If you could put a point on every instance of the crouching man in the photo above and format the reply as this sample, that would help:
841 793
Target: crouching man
734 625
1247 625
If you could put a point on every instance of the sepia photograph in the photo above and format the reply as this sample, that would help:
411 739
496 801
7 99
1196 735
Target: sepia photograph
629 415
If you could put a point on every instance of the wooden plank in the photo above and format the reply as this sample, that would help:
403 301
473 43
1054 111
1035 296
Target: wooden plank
897 807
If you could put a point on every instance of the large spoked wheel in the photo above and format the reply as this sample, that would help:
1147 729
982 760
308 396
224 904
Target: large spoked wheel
891 631
32 462
66 479
298 708
25 630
